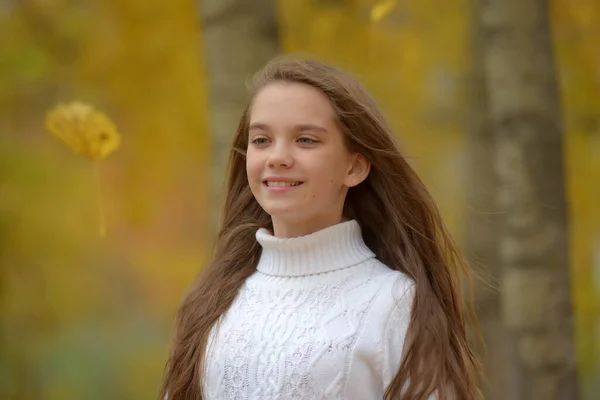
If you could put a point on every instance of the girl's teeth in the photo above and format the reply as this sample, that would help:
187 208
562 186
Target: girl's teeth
282 183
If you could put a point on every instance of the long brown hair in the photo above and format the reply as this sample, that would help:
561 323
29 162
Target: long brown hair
400 223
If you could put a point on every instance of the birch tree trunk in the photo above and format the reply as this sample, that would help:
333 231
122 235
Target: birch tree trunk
240 36
525 117
483 220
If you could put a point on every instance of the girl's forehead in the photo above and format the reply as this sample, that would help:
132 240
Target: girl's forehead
290 103
297 93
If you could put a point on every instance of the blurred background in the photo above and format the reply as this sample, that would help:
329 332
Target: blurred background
88 317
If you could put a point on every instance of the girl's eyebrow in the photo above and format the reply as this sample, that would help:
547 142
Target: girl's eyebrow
299 127
310 127
258 125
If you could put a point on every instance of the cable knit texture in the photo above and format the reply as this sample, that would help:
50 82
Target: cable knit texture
321 318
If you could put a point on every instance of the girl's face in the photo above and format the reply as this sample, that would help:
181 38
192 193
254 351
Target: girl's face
299 169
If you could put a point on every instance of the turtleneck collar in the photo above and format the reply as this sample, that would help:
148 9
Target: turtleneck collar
335 247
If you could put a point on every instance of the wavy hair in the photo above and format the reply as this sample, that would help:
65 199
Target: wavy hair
400 223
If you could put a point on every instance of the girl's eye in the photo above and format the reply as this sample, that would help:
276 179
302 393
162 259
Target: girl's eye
305 140
259 141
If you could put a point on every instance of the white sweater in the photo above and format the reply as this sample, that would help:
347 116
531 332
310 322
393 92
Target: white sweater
321 318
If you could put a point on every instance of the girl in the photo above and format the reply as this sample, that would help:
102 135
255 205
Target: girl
333 276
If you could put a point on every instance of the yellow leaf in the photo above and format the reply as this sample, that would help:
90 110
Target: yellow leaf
381 9
87 131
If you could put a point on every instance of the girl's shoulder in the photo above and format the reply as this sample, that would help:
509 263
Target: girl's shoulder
395 292
393 282
378 282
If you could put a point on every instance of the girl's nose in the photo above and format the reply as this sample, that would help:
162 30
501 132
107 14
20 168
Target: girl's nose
280 156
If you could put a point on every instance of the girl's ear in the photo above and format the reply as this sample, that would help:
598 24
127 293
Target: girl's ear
358 171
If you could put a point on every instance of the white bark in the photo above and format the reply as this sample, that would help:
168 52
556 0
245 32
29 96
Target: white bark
533 248
483 220
240 36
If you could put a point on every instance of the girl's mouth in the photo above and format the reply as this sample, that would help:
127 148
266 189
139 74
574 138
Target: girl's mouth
282 183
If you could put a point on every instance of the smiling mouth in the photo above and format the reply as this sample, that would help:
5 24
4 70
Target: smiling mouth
281 184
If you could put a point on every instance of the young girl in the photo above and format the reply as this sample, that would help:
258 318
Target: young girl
334 276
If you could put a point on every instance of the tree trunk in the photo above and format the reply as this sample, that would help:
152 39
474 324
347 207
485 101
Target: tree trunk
482 222
240 37
525 118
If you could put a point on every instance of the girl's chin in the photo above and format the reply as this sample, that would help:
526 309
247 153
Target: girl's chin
285 212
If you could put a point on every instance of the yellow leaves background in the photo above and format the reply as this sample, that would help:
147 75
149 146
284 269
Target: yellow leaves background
88 319
380 9
85 318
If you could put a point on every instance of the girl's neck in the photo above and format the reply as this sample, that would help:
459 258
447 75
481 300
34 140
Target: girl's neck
286 228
